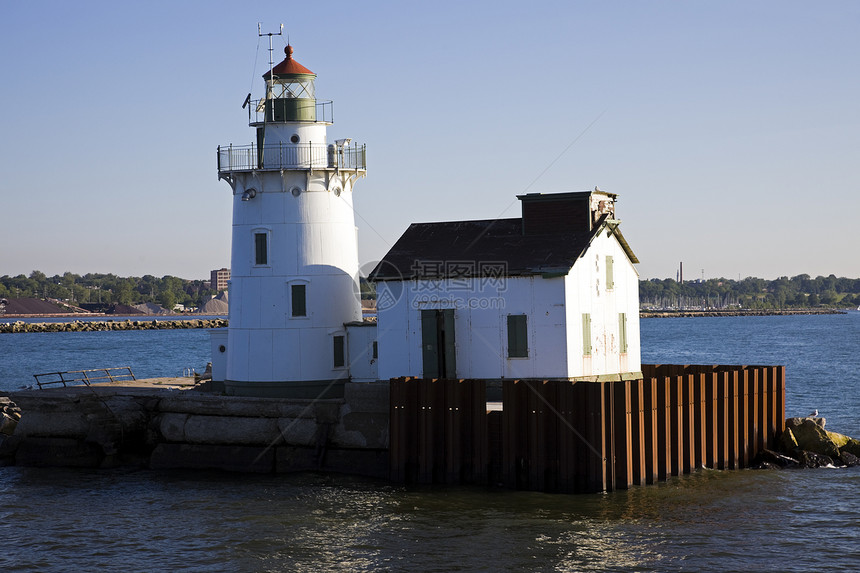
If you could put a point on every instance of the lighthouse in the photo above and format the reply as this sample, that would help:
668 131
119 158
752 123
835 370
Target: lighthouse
294 260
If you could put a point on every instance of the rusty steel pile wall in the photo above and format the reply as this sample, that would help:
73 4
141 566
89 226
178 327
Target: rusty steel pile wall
438 431
583 436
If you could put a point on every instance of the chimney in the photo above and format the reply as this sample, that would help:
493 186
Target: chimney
563 213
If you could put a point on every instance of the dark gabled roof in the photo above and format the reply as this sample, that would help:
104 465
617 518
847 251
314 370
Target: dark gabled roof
475 248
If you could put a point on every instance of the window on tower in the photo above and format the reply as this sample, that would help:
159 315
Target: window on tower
298 300
339 343
261 248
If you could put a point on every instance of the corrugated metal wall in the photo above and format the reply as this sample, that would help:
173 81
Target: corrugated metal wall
564 436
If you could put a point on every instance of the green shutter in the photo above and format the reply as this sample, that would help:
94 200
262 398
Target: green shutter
586 334
610 277
339 354
298 299
261 255
518 340
622 332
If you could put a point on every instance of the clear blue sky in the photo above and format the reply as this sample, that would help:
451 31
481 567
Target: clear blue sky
729 129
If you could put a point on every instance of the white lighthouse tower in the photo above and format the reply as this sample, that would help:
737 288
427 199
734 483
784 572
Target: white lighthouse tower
294 267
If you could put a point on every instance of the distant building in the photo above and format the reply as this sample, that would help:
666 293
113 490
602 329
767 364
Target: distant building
218 279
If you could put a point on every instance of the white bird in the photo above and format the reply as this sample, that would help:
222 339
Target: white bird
814 413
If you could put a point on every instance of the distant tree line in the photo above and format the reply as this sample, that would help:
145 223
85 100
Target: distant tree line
167 291
801 291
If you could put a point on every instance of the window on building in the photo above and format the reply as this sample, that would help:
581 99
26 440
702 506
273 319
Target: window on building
622 332
610 277
261 248
339 351
518 340
298 300
586 334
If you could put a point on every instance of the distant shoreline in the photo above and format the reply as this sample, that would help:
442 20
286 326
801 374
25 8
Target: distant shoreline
150 323
709 313
80 315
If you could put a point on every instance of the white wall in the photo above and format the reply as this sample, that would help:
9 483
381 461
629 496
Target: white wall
312 240
588 292
395 335
554 307
480 318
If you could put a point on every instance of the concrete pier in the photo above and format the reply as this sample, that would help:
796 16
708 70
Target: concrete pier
172 423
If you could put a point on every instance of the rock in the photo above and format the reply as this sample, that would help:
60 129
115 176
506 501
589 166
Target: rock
787 442
10 415
768 459
813 460
812 437
795 422
844 443
806 439
7 424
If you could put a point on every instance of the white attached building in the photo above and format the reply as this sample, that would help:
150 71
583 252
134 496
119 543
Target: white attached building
553 294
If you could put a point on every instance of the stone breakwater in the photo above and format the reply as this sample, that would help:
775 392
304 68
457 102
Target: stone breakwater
99 325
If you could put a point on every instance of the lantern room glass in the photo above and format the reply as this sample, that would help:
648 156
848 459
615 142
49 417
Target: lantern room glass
291 88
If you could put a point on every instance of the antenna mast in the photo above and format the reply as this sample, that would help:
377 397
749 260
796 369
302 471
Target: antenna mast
260 34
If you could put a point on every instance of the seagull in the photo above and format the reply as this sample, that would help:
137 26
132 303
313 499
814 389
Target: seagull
814 413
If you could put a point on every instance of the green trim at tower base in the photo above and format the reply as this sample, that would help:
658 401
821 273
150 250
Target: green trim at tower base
302 389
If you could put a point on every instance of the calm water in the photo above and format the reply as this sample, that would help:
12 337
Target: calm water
149 353
64 520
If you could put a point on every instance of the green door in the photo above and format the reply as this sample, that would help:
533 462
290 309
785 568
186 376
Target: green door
437 343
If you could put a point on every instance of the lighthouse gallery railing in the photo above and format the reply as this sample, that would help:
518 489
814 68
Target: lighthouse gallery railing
290 156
